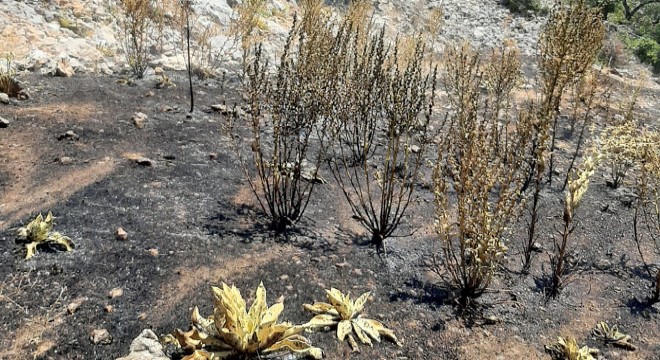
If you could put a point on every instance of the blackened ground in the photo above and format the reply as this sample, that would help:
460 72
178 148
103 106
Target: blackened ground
192 222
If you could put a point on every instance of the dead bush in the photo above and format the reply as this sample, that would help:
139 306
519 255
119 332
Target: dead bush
381 112
286 117
479 175
136 22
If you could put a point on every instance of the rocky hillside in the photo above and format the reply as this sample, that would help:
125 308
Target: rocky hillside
85 32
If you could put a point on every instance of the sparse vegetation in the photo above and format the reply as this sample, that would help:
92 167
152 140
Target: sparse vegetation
480 172
568 45
375 95
560 258
135 18
647 209
568 349
344 314
611 335
286 116
39 233
233 330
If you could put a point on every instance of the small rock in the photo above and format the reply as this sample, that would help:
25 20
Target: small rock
4 98
289 288
342 265
122 234
153 252
158 71
149 93
415 149
64 69
100 336
69 135
144 161
213 156
65 160
357 272
75 305
109 309
222 109
4 123
146 347
142 317
116 292
284 277
139 119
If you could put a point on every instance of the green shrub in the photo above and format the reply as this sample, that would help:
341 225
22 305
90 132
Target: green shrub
525 7
647 50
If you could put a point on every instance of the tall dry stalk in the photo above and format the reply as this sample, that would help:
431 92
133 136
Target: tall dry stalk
577 187
568 46
287 113
380 117
478 177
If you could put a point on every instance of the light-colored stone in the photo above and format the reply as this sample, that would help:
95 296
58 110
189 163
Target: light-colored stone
65 160
139 119
144 161
64 69
146 347
100 336
4 98
75 305
122 234
115 293
4 123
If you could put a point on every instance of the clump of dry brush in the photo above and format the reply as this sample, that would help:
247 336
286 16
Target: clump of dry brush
480 170
379 130
287 115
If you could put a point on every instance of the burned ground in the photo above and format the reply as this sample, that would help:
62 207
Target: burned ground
194 207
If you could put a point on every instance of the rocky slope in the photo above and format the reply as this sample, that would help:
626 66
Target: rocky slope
85 32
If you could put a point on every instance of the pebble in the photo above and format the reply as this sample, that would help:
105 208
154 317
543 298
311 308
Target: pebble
4 98
115 293
65 160
139 119
153 252
144 161
3 123
100 336
122 234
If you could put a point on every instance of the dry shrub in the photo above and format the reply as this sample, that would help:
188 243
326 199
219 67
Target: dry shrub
377 95
568 46
647 209
477 169
614 53
578 184
286 113
136 22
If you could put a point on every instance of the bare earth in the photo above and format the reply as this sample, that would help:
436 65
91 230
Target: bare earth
199 214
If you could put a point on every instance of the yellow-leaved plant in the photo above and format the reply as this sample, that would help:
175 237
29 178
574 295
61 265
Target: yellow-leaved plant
38 232
568 349
344 313
578 184
233 330
612 336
